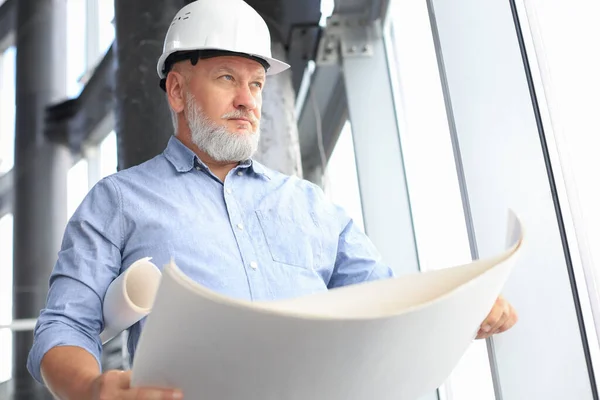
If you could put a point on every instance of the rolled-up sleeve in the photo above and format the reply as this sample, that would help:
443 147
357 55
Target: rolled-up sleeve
357 259
88 261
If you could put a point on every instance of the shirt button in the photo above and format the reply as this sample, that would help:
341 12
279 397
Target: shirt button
240 226
228 191
198 168
254 265
240 173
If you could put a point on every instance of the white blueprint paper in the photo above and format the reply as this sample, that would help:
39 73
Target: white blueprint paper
129 298
393 339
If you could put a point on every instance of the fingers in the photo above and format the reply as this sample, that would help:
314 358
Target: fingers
495 317
124 379
510 322
117 385
146 393
501 318
151 394
110 382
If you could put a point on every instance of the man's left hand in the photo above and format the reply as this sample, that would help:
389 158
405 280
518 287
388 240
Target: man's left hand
502 317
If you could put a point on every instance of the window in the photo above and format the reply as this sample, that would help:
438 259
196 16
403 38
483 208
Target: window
106 29
77 185
340 180
108 155
90 33
561 42
97 162
7 142
432 180
76 46
6 271
7 109
326 11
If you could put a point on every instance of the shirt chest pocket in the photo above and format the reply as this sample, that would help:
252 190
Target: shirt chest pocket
293 240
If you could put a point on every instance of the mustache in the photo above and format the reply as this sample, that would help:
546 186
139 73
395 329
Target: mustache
238 114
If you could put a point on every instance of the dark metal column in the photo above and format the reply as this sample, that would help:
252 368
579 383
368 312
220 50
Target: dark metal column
40 209
143 122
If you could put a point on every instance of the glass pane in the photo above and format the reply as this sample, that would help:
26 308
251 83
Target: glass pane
326 11
77 185
340 180
565 38
6 272
108 155
75 46
7 109
565 57
426 142
433 186
106 29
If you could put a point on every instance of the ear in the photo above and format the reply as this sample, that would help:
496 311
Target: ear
175 89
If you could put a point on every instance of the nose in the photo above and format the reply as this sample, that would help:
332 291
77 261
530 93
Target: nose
245 98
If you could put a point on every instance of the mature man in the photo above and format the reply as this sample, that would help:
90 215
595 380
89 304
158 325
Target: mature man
230 223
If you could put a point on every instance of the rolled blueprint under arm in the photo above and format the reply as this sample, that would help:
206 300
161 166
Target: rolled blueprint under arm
129 298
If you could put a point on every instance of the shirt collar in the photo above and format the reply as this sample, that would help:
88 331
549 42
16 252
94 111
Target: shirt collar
184 159
178 154
259 169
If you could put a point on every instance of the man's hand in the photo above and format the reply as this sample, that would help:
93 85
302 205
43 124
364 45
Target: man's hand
116 385
502 317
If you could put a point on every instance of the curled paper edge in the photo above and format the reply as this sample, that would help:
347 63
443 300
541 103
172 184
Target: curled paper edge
129 297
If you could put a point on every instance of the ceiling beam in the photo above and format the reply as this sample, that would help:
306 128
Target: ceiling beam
74 121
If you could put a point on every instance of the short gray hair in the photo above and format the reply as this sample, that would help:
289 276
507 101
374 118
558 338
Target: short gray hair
184 70
173 118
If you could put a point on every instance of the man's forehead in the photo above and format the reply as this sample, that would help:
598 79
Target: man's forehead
236 64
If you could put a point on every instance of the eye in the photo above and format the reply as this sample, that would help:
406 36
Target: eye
258 84
227 77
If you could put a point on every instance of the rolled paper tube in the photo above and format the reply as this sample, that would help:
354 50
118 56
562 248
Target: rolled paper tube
129 298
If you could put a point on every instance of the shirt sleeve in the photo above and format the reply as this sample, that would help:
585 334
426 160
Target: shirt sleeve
357 259
88 261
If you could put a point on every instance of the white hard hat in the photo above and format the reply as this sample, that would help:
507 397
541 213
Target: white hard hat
222 26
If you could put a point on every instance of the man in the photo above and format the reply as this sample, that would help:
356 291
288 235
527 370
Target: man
231 224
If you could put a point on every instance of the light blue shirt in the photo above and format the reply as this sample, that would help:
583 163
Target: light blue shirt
259 235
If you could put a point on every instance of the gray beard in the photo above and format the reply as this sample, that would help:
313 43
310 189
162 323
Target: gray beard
215 140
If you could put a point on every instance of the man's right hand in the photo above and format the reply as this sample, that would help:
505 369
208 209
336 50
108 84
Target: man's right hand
70 372
116 385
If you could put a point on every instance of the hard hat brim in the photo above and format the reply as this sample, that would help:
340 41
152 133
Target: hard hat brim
275 66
